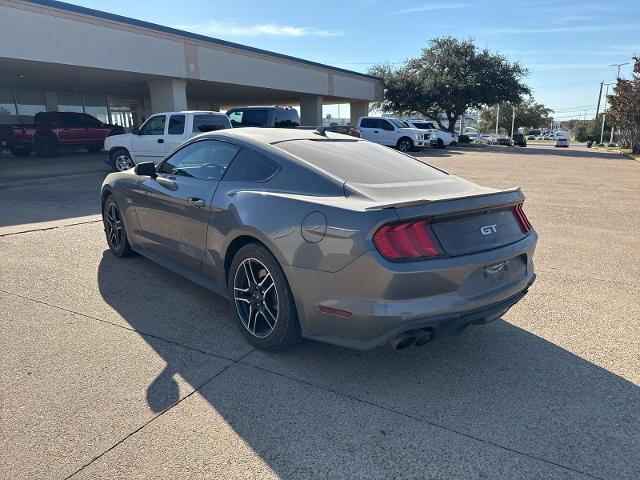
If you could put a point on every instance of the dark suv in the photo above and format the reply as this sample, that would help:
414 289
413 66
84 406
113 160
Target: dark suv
264 117
519 139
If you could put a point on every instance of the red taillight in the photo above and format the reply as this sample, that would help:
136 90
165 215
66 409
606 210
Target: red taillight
404 241
525 225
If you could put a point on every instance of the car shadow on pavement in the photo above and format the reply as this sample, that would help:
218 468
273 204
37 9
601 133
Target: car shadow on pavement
34 190
497 384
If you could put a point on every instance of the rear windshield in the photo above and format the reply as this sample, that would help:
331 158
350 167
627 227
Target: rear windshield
209 123
360 162
253 117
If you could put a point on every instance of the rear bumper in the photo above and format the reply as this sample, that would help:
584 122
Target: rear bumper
386 300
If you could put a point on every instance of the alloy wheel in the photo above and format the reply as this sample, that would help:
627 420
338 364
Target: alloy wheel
123 162
404 146
255 297
114 226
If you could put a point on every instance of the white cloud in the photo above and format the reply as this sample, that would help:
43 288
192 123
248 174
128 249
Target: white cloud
214 27
566 29
431 7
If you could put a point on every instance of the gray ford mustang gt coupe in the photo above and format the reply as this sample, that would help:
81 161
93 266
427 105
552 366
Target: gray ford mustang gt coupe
325 236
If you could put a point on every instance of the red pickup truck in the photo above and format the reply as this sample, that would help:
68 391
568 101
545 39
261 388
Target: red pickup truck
52 130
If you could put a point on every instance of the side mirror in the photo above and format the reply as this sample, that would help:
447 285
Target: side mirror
135 131
146 169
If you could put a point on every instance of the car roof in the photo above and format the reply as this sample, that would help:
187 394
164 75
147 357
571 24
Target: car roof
206 112
268 107
274 135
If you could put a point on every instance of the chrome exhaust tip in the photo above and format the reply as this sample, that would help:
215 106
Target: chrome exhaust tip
402 341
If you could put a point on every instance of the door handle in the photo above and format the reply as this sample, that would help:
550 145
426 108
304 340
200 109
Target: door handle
161 140
376 131
196 202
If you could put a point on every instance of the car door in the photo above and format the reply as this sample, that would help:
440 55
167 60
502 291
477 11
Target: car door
175 131
72 128
149 144
173 209
386 132
370 130
95 131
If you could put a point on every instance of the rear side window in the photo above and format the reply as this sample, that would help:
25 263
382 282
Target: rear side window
286 118
254 117
368 123
210 123
176 125
360 162
249 167
91 122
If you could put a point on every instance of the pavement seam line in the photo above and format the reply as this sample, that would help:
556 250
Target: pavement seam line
44 229
295 379
144 334
587 275
129 435
422 420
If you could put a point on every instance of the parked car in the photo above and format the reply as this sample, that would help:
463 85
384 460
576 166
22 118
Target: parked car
562 142
391 132
52 130
519 139
438 138
159 135
504 140
264 117
325 236
531 137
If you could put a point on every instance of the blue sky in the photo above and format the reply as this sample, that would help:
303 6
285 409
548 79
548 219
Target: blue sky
567 45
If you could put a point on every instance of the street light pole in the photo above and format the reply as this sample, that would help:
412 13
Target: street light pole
497 118
617 78
513 121
604 113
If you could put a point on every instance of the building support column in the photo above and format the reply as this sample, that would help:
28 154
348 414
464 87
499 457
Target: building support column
311 111
358 109
168 95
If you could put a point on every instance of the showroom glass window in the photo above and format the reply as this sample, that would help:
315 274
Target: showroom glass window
29 103
96 105
8 113
154 126
70 102
204 160
176 125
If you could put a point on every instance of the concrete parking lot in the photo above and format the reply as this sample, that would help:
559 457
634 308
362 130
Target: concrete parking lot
120 369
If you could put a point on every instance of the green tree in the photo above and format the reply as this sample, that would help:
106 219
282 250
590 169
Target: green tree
450 76
529 114
589 130
624 109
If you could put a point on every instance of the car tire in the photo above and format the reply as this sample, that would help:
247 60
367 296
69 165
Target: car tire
45 146
120 160
405 145
261 299
114 229
440 143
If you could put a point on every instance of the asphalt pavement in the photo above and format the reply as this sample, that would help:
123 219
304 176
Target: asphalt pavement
116 368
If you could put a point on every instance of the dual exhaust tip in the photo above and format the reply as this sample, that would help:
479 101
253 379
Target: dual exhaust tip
413 337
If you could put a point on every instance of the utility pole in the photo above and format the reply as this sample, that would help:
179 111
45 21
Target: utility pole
617 78
619 65
604 113
513 121
497 118
599 97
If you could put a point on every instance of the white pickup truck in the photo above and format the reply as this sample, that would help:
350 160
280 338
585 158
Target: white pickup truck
159 135
437 138
391 132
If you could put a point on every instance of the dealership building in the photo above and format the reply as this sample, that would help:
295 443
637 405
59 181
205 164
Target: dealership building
55 56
